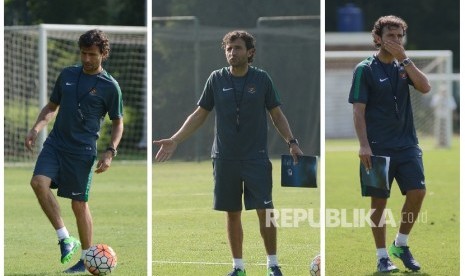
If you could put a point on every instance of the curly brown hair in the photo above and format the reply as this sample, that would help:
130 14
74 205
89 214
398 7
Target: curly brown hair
247 37
391 21
98 38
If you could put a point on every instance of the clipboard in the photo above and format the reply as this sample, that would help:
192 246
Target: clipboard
303 174
378 176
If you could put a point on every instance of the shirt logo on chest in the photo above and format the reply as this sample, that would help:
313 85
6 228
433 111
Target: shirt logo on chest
402 73
251 89
227 89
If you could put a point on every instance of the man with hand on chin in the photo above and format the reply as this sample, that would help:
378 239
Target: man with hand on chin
383 121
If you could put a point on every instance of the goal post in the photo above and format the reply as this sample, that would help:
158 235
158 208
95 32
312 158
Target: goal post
34 57
432 112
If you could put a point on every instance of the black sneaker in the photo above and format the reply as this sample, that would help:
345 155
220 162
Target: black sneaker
385 265
68 247
77 268
403 253
274 271
237 272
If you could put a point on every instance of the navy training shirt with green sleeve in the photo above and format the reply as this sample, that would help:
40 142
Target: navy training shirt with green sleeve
97 95
372 84
254 94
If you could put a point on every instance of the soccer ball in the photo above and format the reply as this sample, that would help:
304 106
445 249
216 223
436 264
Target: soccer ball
315 266
100 259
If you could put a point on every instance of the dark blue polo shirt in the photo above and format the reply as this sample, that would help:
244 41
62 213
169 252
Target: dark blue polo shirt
384 88
253 95
83 101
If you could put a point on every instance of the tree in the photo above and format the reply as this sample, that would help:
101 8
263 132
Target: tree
432 24
109 12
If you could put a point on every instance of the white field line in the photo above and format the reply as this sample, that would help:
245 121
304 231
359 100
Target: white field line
213 263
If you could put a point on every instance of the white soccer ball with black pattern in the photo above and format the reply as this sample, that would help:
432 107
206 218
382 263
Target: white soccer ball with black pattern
315 266
100 259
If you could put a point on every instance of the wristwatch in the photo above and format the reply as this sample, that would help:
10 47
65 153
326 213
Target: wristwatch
292 141
114 152
406 62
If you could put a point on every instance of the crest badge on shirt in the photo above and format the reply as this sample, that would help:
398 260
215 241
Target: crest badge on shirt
402 73
251 88
93 91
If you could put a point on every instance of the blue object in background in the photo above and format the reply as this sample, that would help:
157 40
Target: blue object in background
349 18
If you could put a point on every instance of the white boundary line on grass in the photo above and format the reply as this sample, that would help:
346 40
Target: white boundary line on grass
217 263
199 263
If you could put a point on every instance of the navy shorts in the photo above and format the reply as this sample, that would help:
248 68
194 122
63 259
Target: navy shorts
70 173
406 167
251 178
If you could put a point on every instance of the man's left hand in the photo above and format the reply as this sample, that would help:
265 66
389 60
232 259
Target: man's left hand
104 162
295 151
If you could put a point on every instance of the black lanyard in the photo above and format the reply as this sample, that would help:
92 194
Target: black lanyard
393 85
238 101
80 98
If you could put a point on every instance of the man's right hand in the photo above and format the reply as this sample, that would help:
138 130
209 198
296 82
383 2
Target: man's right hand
30 140
167 148
365 154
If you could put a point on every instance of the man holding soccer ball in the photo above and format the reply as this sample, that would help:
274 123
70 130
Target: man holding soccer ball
81 98
241 95
384 125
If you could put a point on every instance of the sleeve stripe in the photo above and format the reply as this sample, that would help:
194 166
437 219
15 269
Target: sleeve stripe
358 77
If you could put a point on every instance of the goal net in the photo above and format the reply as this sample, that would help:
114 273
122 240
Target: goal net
34 57
432 112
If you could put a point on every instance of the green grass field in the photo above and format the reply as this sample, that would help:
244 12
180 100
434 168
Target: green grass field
434 240
118 203
189 237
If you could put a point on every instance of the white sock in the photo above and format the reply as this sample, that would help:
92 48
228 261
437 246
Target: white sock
401 239
83 254
381 253
271 260
62 233
238 263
